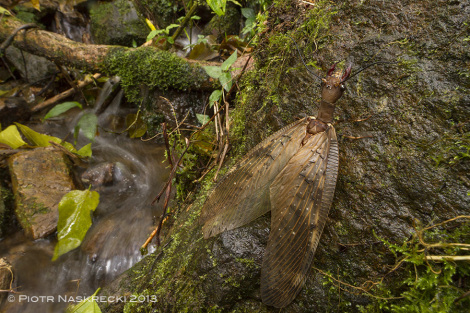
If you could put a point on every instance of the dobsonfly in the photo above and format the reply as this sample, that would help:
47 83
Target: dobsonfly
293 174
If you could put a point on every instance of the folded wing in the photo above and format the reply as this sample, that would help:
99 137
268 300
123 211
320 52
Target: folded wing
301 196
243 194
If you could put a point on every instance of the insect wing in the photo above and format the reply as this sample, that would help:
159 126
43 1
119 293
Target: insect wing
301 196
243 194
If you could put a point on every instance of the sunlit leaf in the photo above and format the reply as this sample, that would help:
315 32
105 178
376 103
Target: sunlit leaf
150 25
36 5
11 136
62 108
88 305
218 6
202 118
213 71
215 97
226 80
136 126
87 124
227 63
4 11
74 219
85 151
195 17
42 140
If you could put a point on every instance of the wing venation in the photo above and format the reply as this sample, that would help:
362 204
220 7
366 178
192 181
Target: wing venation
243 194
300 196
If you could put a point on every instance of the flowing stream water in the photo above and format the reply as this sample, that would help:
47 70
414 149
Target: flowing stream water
121 223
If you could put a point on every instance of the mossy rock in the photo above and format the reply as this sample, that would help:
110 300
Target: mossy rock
117 23
413 165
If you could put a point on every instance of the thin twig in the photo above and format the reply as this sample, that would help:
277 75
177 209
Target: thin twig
64 94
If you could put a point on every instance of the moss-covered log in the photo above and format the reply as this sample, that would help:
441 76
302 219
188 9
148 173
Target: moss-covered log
102 58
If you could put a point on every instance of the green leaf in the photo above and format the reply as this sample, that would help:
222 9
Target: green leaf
88 124
136 127
214 97
88 305
218 6
170 40
154 33
169 27
202 118
226 65
62 108
74 219
213 71
42 140
85 151
226 80
195 17
4 11
11 136
248 13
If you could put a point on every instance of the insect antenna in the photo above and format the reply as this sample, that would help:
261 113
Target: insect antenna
367 66
302 58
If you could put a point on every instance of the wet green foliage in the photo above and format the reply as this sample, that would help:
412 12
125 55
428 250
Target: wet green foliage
89 305
152 68
74 219
426 285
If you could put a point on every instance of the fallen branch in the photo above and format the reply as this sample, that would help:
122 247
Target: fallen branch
65 94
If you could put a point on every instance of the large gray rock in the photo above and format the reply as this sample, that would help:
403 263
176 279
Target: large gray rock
40 178
117 23
414 166
31 67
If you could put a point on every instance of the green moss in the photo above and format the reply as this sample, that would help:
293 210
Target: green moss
152 68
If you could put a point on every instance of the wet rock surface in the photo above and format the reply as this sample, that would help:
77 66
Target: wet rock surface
117 23
410 169
40 178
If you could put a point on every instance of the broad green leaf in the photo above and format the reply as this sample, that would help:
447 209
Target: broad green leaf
214 97
150 24
195 17
226 80
227 63
62 108
202 118
87 124
74 219
42 140
136 127
218 6
213 71
152 34
170 40
11 136
88 305
85 151
248 13
236 2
